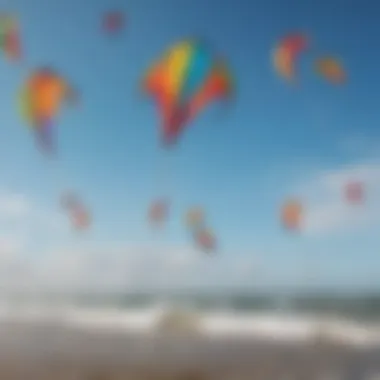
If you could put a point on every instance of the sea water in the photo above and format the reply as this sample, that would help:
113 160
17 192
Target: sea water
344 318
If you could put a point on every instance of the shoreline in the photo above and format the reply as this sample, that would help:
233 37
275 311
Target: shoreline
53 348
286 327
67 342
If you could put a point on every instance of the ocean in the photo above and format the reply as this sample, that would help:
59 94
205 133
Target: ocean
363 307
291 317
224 335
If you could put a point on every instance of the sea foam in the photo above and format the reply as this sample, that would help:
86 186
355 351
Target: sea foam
277 326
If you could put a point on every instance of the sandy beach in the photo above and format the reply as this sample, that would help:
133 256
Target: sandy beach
49 351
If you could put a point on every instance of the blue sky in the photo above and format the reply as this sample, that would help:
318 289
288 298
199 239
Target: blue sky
240 162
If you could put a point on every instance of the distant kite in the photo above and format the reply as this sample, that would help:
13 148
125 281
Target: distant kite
195 217
113 21
331 69
41 100
80 218
291 215
158 211
78 213
10 37
205 240
286 53
354 192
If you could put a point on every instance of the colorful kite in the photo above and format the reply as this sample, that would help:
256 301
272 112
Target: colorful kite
331 69
291 215
41 100
286 53
184 81
9 37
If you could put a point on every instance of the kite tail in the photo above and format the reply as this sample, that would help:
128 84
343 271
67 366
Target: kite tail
45 138
164 174
174 125
46 143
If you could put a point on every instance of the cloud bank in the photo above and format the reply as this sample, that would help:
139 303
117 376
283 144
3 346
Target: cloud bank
328 212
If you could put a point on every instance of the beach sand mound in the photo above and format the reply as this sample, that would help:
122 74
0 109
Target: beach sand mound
178 321
325 336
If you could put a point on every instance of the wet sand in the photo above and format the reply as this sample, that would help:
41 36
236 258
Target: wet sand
48 352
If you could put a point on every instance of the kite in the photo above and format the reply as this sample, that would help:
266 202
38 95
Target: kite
354 192
77 211
291 214
41 99
158 211
331 69
195 217
9 37
80 219
186 79
113 21
286 53
205 240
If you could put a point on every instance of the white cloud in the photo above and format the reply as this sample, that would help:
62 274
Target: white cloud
13 205
22 216
326 209
23 224
136 267
108 266
10 247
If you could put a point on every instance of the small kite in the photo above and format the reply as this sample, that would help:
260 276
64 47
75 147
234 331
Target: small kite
80 219
183 82
195 217
205 240
113 21
77 211
158 211
9 37
354 192
291 215
286 53
41 99
331 69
